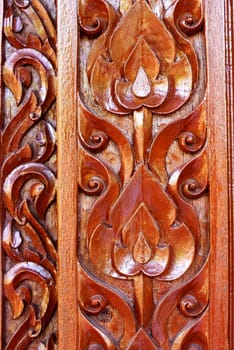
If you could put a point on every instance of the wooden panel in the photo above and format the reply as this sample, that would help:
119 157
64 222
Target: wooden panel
144 234
144 197
28 175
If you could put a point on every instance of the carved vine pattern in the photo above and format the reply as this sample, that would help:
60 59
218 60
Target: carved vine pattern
143 226
28 182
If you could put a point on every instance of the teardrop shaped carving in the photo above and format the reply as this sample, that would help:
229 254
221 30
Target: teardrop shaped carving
146 70
141 251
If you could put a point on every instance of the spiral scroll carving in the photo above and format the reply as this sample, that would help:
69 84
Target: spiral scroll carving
142 236
143 240
28 174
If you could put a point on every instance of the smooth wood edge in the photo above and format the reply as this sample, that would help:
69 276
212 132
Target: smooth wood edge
229 33
1 216
67 178
218 164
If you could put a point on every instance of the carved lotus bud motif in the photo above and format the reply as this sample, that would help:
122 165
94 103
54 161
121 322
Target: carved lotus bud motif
143 234
140 251
146 69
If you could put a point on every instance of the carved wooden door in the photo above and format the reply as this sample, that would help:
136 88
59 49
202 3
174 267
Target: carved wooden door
124 109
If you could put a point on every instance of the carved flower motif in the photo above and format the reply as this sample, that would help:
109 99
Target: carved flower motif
143 240
137 63
140 251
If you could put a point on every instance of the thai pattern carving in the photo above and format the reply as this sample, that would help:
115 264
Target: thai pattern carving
28 172
142 229
146 69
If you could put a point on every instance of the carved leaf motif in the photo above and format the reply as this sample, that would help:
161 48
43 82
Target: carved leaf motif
192 306
140 250
22 339
178 20
96 296
143 228
193 177
20 272
20 124
141 71
19 295
13 79
194 336
95 132
147 190
189 181
16 179
91 337
190 132
27 143
140 21
94 178
42 27
13 241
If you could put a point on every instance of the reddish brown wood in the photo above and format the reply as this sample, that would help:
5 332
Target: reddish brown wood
67 176
219 300
140 235
229 37
145 141
152 78
28 175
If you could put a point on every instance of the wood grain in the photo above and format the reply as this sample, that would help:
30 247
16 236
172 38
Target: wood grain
28 175
139 265
139 223
218 153
67 175
229 37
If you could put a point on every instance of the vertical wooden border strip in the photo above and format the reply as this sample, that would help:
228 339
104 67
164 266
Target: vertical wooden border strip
229 18
67 180
218 164
1 219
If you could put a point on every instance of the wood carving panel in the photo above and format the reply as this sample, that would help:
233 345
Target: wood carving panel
143 180
28 168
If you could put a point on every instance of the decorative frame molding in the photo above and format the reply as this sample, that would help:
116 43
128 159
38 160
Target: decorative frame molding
222 225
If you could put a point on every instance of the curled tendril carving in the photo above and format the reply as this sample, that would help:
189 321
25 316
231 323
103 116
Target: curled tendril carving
143 231
28 179
145 70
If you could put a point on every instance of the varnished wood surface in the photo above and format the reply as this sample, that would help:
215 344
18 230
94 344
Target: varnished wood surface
67 175
144 238
218 160
132 155
229 38
28 175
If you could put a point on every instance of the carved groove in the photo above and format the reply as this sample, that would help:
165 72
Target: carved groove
28 174
141 235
